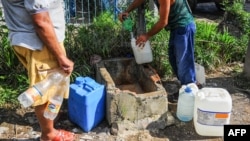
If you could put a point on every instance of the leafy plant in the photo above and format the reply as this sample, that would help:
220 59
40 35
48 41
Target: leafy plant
9 92
222 47
10 68
104 37
237 16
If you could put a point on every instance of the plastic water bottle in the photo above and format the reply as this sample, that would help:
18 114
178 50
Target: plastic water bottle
54 104
28 97
185 105
56 99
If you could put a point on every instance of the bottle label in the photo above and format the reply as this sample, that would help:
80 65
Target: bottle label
53 108
212 118
35 95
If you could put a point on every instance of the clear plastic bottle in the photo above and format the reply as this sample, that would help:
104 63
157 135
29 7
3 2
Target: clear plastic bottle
185 105
28 97
54 104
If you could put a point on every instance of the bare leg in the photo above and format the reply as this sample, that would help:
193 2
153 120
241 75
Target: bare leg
47 126
48 132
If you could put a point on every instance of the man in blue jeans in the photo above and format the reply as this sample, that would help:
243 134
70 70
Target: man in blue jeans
176 16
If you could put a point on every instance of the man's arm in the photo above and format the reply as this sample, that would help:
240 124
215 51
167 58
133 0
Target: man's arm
159 25
46 32
163 17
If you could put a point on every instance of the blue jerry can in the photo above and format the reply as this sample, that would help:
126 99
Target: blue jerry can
86 103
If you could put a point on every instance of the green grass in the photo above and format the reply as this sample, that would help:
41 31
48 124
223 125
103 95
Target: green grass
9 95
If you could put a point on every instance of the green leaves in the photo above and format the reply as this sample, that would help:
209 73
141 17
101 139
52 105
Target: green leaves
214 48
236 14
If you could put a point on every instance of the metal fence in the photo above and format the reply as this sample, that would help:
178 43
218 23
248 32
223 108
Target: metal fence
83 11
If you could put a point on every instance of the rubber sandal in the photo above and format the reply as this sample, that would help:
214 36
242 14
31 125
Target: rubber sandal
64 136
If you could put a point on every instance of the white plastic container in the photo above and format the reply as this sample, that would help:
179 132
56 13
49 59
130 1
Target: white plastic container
142 55
212 110
185 105
200 73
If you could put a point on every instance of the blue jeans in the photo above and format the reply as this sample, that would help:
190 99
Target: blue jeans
181 53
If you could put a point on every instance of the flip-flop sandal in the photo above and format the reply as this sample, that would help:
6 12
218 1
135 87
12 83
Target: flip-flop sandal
63 136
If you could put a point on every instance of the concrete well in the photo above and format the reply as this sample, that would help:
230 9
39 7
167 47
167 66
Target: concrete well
134 92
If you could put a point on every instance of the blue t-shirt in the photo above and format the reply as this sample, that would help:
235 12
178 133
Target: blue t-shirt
17 14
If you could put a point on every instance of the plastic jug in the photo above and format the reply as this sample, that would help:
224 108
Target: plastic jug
185 105
200 73
142 54
212 110
86 103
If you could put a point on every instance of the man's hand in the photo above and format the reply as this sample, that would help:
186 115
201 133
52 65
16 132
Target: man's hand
122 15
141 40
66 64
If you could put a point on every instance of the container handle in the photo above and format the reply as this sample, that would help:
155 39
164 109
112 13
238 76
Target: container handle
88 87
201 95
194 87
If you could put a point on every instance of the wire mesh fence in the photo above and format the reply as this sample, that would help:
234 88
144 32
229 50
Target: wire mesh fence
84 11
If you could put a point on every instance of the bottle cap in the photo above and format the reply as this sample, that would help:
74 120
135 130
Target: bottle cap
188 89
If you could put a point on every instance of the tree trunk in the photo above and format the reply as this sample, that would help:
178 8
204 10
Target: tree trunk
246 69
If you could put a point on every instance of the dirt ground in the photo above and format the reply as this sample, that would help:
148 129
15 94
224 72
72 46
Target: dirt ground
21 124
